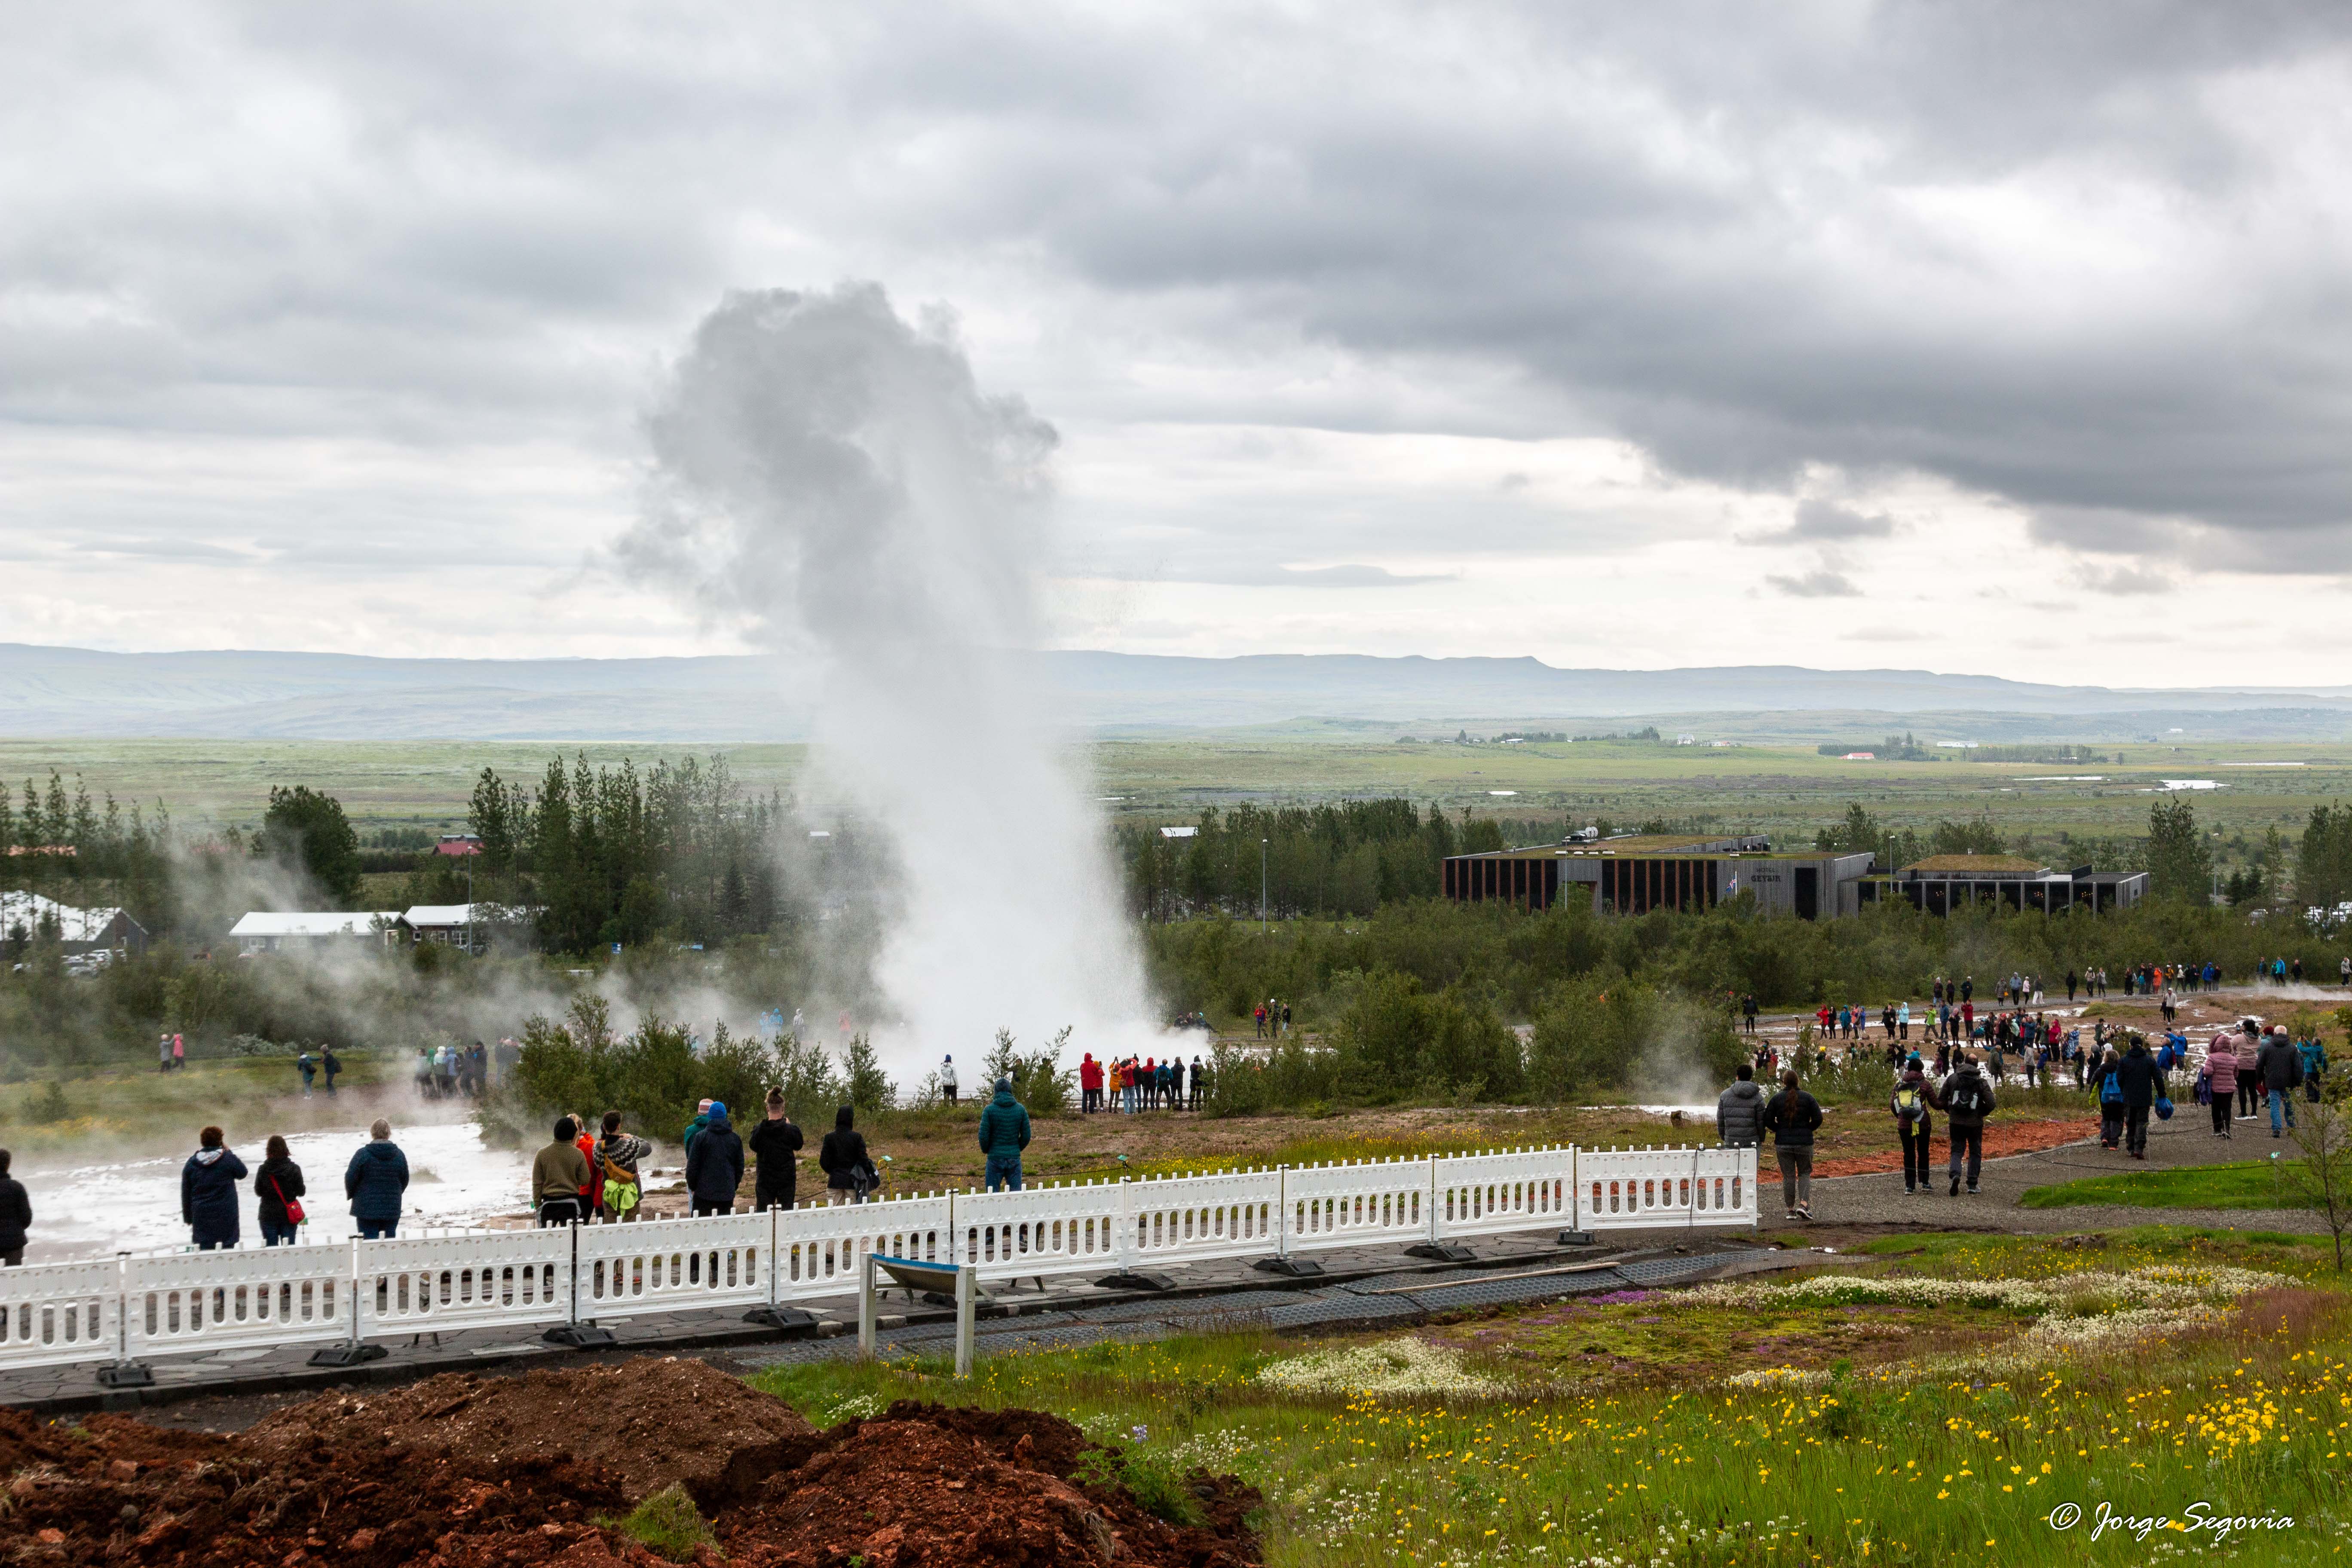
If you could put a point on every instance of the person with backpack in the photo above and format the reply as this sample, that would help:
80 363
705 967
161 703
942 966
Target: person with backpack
1792 1116
15 1215
558 1172
848 1173
2110 1100
2280 1069
375 1182
2141 1083
619 1157
2221 1079
1740 1112
278 1187
1003 1133
714 1168
1201 1082
208 1192
1912 1123
776 1143
1966 1099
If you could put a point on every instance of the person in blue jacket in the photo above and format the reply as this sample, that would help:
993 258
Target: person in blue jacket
1003 1133
374 1180
208 1192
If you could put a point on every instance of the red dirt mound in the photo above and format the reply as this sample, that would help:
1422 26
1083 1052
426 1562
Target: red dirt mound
924 1486
651 1421
919 1487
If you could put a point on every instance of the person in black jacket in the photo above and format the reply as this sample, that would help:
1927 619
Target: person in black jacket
1791 1116
15 1215
714 1167
278 1179
848 1173
2141 1081
208 1192
776 1144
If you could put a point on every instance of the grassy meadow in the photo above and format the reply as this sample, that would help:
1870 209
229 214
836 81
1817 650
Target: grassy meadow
1937 1399
1761 786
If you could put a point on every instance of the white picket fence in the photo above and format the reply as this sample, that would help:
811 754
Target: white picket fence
138 1305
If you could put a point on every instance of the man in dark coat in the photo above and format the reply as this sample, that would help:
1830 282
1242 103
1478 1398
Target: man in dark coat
776 1143
208 1192
2141 1081
15 1215
714 1165
374 1180
1740 1112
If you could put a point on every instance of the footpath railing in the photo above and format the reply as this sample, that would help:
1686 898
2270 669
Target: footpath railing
347 1298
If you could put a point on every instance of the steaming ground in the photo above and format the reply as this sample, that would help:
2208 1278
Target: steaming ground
133 1205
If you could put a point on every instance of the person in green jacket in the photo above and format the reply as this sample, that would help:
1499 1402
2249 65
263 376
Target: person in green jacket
701 1120
1003 1133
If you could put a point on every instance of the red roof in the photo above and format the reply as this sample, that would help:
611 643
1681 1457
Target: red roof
458 847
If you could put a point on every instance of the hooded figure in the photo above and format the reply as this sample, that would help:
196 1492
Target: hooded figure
375 1181
848 1173
1740 1112
208 1192
714 1163
1003 1133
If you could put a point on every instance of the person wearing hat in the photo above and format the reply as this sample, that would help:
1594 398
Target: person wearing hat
1003 1133
714 1165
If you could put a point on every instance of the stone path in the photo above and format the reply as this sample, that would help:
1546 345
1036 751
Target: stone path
2185 1139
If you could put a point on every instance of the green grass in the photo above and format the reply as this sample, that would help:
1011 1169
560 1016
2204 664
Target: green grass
668 1523
135 1102
2239 1184
1766 783
1677 1469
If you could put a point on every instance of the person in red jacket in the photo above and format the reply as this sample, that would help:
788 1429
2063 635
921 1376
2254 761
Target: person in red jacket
1089 1084
592 1196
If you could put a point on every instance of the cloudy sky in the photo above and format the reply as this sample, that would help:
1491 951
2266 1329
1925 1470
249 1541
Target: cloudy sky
2009 339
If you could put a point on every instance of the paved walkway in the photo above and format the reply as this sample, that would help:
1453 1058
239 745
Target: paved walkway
2185 1139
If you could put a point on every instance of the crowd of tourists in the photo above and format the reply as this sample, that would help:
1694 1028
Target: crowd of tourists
1138 1084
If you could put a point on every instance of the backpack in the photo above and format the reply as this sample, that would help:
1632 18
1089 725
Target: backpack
2111 1091
1966 1097
1908 1106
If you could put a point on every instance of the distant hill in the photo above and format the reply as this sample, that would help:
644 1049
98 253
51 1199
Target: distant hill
65 691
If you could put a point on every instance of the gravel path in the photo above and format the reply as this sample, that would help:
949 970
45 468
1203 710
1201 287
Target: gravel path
2185 1139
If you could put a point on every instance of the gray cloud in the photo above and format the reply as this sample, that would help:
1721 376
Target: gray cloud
2123 580
1822 583
2088 260
1825 522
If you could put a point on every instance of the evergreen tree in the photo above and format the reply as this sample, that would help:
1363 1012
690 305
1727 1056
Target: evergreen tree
2179 861
309 829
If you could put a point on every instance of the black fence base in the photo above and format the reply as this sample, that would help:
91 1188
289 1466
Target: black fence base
786 1319
1289 1268
1136 1279
1577 1239
580 1336
1441 1252
125 1375
348 1355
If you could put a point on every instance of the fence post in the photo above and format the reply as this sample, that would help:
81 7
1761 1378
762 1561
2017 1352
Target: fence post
1576 1234
1436 1249
1129 1277
580 1336
351 1353
866 1306
775 1314
122 1372
1282 1262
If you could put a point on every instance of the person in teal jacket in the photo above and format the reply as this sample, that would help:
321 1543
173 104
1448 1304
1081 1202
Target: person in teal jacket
2315 1064
1003 1133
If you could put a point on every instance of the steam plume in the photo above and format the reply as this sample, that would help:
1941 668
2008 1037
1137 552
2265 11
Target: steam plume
835 476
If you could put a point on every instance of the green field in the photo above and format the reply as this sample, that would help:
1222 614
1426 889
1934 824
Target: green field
1939 1406
1768 788
2241 1184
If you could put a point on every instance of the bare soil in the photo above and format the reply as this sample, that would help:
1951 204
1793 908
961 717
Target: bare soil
466 1473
